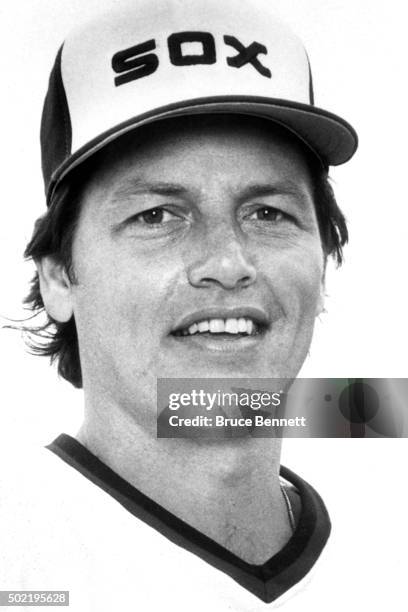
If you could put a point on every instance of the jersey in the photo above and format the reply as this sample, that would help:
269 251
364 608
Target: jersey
68 522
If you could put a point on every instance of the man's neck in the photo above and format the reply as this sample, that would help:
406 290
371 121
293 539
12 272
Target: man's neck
227 489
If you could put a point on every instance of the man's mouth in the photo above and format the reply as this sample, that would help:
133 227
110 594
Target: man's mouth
241 326
223 323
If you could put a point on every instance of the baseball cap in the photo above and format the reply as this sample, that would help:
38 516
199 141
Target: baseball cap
148 61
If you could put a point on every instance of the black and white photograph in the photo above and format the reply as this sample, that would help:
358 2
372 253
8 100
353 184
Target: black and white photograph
198 197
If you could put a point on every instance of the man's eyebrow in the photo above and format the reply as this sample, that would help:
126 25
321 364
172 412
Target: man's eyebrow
285 187
135 186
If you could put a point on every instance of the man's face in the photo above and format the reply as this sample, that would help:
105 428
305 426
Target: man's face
197 254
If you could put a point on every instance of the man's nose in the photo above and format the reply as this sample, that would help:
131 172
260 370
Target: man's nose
222 261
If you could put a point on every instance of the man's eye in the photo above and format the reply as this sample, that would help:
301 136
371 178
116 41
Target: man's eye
159 220
154 216
267 213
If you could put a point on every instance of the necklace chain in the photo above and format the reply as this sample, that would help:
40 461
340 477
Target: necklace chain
289 508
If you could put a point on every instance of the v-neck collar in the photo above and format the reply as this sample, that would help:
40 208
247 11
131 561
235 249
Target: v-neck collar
267 581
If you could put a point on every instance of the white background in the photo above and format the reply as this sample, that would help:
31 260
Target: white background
358 53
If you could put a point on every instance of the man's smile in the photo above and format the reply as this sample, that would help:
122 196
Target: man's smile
222 329
234 326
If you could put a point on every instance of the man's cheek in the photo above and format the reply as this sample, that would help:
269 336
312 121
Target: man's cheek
298 286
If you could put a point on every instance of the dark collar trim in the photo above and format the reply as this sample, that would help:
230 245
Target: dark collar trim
268 581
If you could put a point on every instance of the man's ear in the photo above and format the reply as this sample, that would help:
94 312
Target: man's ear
55 288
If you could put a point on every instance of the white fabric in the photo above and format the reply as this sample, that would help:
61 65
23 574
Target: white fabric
58 531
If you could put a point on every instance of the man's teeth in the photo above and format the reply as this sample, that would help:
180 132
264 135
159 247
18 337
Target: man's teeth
221 326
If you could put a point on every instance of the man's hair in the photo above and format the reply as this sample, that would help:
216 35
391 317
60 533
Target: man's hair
54 233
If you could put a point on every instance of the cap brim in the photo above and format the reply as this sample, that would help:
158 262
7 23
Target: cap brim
329 136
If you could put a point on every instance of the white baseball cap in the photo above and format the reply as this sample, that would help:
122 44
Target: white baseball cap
149 60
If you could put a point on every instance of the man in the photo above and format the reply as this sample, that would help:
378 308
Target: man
188 228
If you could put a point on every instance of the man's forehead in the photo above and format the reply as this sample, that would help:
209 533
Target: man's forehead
212 167
167 149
